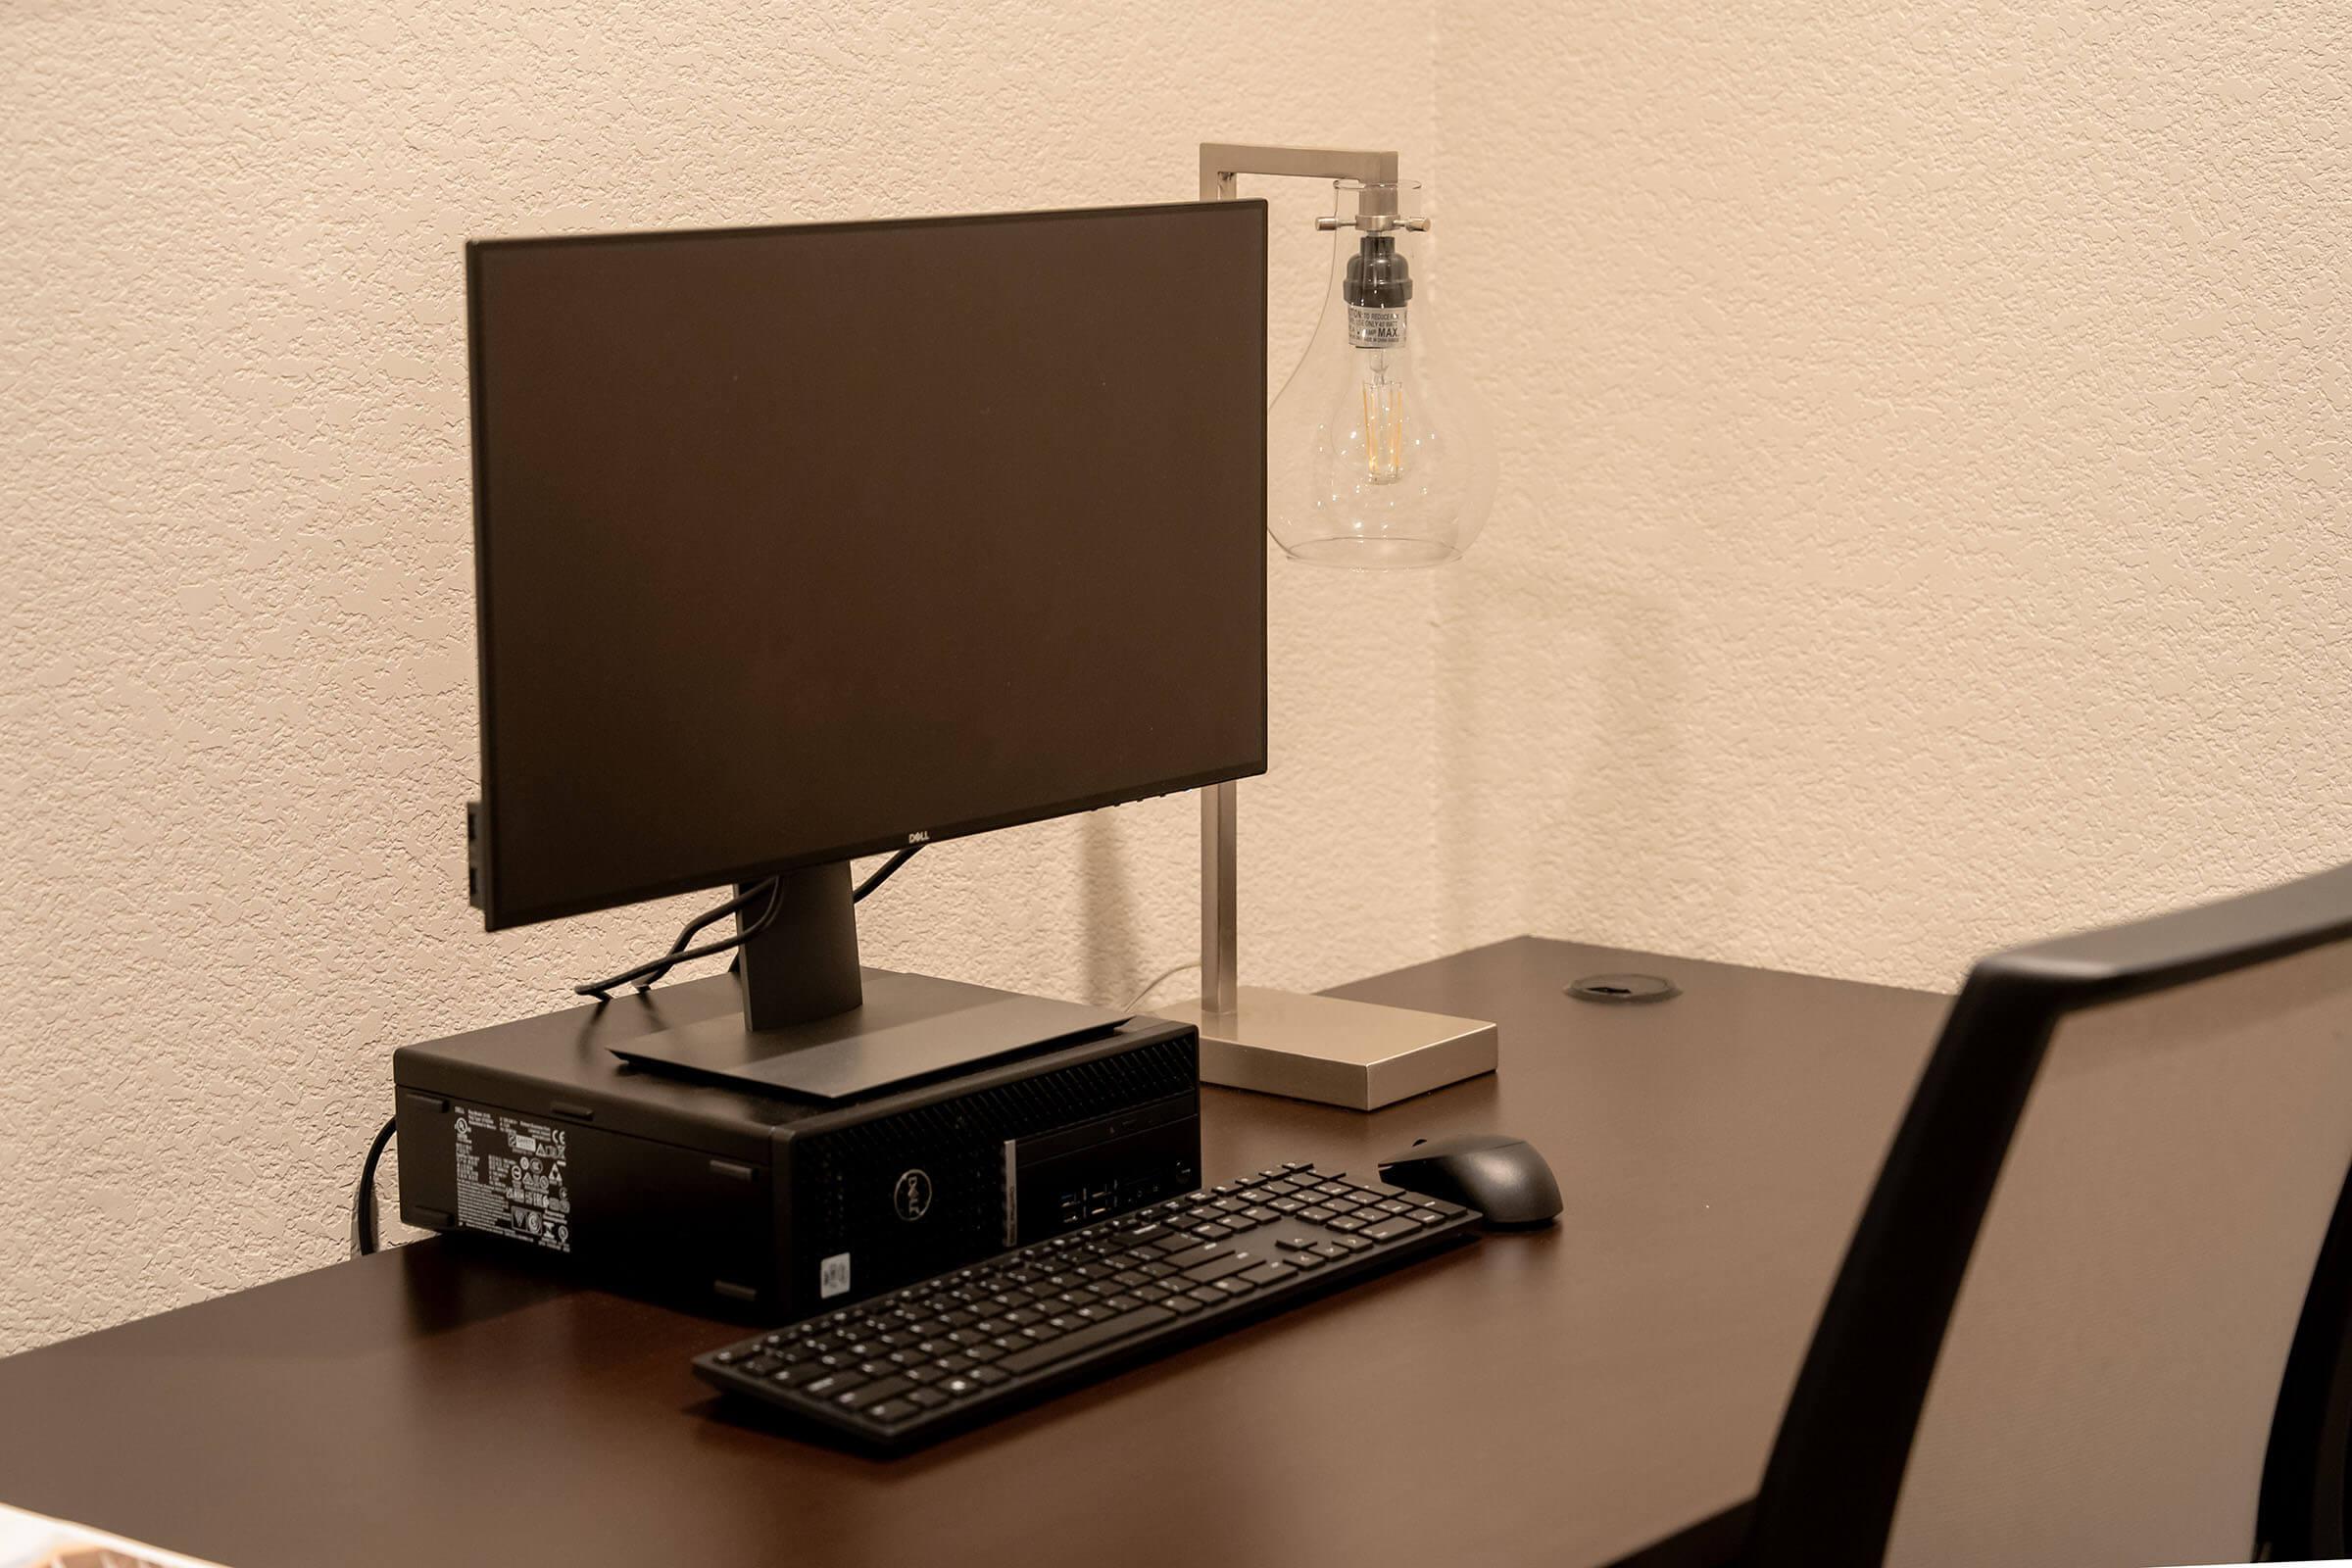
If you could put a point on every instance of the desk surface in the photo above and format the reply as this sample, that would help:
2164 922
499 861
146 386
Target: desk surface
1562 1398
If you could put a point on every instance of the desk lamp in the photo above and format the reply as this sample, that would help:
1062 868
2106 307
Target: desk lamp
1376 457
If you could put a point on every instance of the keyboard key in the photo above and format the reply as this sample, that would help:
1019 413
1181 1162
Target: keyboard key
1117 1327
760 1366
872 1393
1207 1296
988 1377
1182 1306
1305 1259
832 1383
1199 1256
1235 1286
1389 1229
1296 1243
1218 1268
926 1398
1319 1215
1343 1223
960 1387
1268 1274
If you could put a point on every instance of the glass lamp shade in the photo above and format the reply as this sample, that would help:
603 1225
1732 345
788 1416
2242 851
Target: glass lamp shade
1377 455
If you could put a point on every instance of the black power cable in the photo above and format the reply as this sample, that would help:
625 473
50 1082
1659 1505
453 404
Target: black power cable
644 975
882 873
362 1197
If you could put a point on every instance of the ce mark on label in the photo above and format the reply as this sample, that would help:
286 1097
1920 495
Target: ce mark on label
833 1276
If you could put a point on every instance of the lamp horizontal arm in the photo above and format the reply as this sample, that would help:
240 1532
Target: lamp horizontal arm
1221 161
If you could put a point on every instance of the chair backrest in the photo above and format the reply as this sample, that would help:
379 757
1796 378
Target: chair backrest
2060 1331
2307 1482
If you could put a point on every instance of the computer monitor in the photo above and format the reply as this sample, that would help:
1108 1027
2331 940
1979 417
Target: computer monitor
795 544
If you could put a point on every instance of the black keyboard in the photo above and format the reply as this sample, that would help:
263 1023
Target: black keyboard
917 1363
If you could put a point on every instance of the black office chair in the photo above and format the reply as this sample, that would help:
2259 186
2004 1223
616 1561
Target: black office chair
2062 1333
2306 1487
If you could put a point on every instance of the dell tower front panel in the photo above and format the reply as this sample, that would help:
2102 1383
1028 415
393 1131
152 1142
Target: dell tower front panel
728 1199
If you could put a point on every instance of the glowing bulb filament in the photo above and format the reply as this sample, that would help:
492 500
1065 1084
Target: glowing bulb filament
1384 431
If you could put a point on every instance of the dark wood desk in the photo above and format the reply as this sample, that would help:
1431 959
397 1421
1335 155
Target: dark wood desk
1563 1398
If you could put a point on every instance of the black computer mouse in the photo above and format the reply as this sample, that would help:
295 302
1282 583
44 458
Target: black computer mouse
1503 1178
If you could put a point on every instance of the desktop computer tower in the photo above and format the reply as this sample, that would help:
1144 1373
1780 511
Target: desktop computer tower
762 1207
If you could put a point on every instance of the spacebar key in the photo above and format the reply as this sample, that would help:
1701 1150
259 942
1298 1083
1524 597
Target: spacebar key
1086 1338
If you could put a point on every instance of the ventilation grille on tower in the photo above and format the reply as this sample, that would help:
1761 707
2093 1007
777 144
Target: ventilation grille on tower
911 1195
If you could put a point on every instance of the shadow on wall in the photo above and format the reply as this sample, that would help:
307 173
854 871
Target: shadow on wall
1114 938
1587 680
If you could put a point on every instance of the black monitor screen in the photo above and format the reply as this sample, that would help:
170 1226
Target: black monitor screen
794 544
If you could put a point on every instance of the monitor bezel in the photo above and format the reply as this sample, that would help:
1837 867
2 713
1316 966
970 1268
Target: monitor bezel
486 878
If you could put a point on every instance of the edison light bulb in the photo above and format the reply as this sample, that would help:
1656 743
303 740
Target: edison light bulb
1377 455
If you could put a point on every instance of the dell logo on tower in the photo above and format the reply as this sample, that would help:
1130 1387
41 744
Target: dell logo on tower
912 1197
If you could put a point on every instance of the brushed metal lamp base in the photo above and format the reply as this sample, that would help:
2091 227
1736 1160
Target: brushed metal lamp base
1358 1055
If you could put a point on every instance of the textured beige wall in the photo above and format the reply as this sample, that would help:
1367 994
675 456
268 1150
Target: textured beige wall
237 702
1922 525
1924 517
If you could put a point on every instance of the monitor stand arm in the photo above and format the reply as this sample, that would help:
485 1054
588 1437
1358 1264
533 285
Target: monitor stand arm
803 964
813 1024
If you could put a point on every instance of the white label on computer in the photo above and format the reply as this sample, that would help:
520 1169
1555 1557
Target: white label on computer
833 1276
514 1178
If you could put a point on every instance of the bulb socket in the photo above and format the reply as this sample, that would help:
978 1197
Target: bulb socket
1377 276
